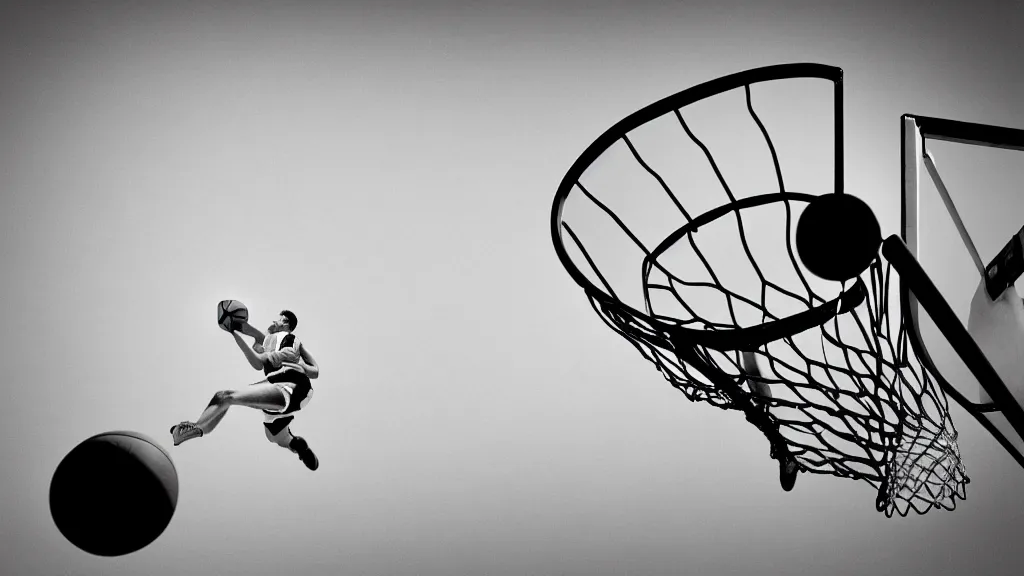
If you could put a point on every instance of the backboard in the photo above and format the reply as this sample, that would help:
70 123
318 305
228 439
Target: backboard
962 205
680 224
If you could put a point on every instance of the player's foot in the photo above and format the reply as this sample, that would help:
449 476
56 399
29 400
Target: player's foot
185 431
301 447
787 472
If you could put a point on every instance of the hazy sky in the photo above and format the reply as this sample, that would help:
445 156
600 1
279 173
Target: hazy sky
386 170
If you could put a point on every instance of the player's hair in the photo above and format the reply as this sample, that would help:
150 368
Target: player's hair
291 318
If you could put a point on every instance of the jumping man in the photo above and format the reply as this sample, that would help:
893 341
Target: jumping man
288 367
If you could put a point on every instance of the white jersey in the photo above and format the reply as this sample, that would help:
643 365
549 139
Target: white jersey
280 347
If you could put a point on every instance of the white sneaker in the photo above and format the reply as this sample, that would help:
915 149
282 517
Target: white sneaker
185 431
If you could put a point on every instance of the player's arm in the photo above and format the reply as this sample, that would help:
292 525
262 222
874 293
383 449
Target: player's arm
308 364
305 363
281 370
255 359
255 334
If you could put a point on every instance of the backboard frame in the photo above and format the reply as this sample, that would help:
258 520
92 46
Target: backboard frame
916 131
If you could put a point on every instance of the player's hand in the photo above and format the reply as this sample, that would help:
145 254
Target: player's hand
257 348
298 366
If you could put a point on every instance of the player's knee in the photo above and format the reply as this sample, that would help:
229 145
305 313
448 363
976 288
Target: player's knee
221 398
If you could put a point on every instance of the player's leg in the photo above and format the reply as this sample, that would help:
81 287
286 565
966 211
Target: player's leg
207 421
214 412
299 445
277 427
279 432
263 396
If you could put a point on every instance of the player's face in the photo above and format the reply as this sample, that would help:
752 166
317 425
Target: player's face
279 325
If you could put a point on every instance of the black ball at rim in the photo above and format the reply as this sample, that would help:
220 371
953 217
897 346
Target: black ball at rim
837 237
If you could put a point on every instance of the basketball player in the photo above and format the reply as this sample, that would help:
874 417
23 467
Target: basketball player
288 367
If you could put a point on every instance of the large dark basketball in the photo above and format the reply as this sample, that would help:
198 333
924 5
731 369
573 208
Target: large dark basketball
114 493
837 236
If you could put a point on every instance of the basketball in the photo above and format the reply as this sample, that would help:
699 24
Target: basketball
114 493
837 237
231 314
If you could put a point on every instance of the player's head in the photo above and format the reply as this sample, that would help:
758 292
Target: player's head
285 322
289 320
